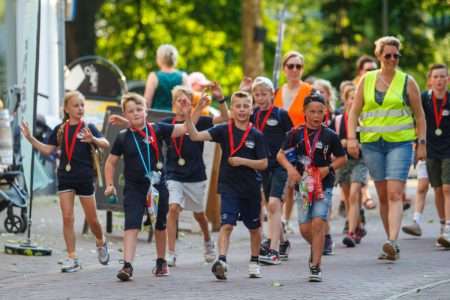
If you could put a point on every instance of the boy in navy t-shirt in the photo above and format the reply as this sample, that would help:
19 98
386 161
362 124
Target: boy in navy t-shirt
140 146
274 123
186 176
243 155
308 162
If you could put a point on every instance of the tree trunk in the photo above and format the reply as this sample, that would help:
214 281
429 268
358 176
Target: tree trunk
252 50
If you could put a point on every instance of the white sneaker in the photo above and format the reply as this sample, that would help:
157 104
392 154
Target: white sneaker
444 239
209 251
70 265
171 259
254 270
103 254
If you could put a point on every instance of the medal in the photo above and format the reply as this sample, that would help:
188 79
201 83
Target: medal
438 132
152 140
159 165
181 162
69 147
260 126
231 138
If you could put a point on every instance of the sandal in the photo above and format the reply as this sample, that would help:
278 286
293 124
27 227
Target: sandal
369 203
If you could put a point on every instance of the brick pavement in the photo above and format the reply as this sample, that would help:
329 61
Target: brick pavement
350 274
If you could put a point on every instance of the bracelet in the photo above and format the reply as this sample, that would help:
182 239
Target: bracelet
222 101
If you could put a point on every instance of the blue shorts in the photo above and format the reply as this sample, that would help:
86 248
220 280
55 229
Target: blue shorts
387 160
247 209
134 202
273 182
318 209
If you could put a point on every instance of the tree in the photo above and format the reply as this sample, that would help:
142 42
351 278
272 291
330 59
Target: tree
253 62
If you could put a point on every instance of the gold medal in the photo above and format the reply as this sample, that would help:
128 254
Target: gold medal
68 167
181 162
438 132
159 165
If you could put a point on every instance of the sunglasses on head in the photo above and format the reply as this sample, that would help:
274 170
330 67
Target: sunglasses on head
292 66
389 56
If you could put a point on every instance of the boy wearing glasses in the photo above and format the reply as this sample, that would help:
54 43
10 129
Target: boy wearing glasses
243 155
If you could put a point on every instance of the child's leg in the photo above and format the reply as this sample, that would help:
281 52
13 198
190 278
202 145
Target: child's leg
66 202
172 218
224 239
90 211
160 239
317 238
129 244
353 208
275 229
288 203
255 241
202 221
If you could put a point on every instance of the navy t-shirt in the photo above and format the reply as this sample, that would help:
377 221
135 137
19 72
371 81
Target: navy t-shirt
191 152
125 145
328 144
241 181
82 168
278 124
438 147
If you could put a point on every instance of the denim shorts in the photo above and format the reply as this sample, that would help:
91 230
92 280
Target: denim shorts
388 160
318 209
245 208
355 170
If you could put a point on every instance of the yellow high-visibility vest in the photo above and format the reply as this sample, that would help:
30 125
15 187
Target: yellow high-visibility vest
392 120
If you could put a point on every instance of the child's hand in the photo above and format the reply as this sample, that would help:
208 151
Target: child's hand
118 120
324 171
246 84
88 137
25 130
216 91
293 175
186 110
110 190
235 161
203 102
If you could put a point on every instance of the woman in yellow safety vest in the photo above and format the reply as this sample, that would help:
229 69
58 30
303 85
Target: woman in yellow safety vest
388 105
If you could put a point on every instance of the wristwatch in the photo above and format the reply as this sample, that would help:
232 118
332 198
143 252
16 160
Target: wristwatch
330 169
421 142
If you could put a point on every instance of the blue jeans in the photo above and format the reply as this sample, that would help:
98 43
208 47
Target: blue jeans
388 160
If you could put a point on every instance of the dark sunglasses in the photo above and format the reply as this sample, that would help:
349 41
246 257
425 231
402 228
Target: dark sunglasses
297 66
389 56
369 69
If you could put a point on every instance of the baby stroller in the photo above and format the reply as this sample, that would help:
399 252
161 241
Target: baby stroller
13 195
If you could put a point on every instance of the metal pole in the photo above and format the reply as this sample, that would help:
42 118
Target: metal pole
277 60
385 17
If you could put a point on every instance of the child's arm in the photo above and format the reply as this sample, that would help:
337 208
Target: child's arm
110 169
41 147
118 120
256 164
217 94
337 163
293 175
194 135
88 137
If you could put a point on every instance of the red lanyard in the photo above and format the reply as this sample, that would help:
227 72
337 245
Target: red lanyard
438 115
309 151
153 141
327 117
231 138
264 122
177 146
70 147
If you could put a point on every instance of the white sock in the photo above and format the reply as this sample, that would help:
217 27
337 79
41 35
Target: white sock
417 217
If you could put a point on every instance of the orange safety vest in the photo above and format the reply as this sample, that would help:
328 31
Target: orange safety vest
295 111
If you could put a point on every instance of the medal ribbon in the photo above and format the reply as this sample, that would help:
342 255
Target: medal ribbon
147 168
177 146
438 116
152 140
264 122
70 147
231 138
310 153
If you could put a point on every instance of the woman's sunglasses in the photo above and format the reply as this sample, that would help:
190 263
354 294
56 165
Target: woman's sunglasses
292 66
389 56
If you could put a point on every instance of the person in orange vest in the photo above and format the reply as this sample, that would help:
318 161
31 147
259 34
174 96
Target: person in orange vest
291 96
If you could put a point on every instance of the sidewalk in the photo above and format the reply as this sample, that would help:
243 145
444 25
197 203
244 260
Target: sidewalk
350 274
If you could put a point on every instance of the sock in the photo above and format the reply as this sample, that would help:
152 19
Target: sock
447 226
126 263
417 217
254 259
223 258
72 255
160 261
328 236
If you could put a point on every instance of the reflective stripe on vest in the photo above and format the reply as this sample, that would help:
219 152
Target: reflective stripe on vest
392 120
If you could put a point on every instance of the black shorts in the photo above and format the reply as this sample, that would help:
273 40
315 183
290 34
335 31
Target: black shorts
245 208
81 189
273 182
135 209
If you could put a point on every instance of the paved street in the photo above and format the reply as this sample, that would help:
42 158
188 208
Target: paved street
423 272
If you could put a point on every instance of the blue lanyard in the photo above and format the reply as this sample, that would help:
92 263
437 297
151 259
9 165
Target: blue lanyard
149 169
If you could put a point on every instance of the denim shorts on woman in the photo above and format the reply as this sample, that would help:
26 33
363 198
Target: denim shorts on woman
388 160
318 209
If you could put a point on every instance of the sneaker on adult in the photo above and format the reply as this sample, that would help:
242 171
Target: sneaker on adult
271 258
392 251
444 239
328 247
254 270
284 249
349 240
315 274
103 254
161 269
126 273
219 269
70 265
171 259
209 251
412 229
